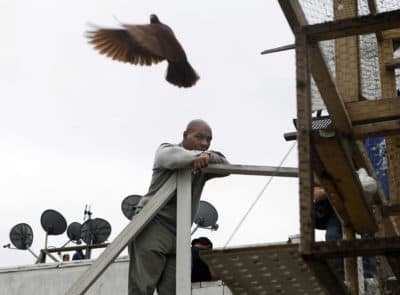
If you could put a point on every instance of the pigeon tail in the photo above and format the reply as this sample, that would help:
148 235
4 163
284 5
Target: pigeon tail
181 74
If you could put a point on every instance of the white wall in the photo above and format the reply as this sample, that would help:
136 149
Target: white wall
56 278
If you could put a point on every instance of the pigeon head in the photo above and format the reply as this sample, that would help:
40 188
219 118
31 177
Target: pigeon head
154 19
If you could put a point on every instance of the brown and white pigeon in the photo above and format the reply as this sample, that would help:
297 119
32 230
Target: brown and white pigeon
146 45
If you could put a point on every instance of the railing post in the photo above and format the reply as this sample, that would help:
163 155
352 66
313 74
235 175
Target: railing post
183 224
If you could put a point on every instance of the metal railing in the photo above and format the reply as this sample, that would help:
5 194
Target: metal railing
181 182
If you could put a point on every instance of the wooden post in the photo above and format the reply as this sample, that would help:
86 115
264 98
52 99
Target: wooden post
304 145
348 83
388 85
350 263
347 54
183 223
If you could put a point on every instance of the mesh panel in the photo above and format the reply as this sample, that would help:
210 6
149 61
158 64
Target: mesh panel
317 11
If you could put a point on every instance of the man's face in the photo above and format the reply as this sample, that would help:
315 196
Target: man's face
198 138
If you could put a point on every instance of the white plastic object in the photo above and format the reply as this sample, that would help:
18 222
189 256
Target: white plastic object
367 182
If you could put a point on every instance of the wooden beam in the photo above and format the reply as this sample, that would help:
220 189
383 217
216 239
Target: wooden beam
294 14
347 54
288 136
388 86
391 210
369 111
357 247
373 9
329 91
353 26
363 131
303 87
278 49
350 263
338 165
393 64
393 34
334 196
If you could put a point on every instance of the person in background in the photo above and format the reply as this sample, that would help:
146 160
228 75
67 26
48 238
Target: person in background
78 255
200 270
327 219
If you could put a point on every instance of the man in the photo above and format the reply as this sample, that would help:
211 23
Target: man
200 270
153 253
334 232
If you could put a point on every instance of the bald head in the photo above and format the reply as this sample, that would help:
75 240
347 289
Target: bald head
196 123
197 135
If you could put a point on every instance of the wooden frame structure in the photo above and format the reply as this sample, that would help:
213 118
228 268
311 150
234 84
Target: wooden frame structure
335 159
332 159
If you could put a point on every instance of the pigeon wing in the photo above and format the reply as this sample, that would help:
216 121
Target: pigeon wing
158 39
119 45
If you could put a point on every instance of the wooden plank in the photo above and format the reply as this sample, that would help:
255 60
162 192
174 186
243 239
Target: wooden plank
338 164
251 170
183 223
138 222
393 34
388 86
374 10
293 13
350 263
279 49
303 87
369 111
391 210
347 54
392 64
357 247
329 91
376 129
328 183
353 26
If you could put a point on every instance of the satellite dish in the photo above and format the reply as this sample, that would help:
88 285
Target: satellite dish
74 232
206 216
53 222
95 231
129 204
21 236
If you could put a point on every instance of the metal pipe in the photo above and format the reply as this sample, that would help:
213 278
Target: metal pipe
278 49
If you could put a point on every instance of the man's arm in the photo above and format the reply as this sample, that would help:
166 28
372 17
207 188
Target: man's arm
216 158
170 156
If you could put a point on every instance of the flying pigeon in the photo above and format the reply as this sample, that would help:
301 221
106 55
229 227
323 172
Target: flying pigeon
146 45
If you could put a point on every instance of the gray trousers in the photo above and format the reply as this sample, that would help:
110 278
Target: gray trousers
152 262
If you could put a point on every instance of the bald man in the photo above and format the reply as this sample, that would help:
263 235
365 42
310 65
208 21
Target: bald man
153 253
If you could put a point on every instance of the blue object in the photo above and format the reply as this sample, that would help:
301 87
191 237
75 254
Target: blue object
376 149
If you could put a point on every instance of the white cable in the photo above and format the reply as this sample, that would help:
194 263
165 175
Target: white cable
260 194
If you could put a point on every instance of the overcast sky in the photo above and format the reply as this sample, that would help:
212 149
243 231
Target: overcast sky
78 128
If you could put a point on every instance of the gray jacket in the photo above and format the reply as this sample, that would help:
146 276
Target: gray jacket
169 158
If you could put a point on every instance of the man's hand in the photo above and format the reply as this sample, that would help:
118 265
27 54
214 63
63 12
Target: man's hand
200 162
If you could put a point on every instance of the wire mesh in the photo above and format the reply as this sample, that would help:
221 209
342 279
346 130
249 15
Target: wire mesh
320 11
317 11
